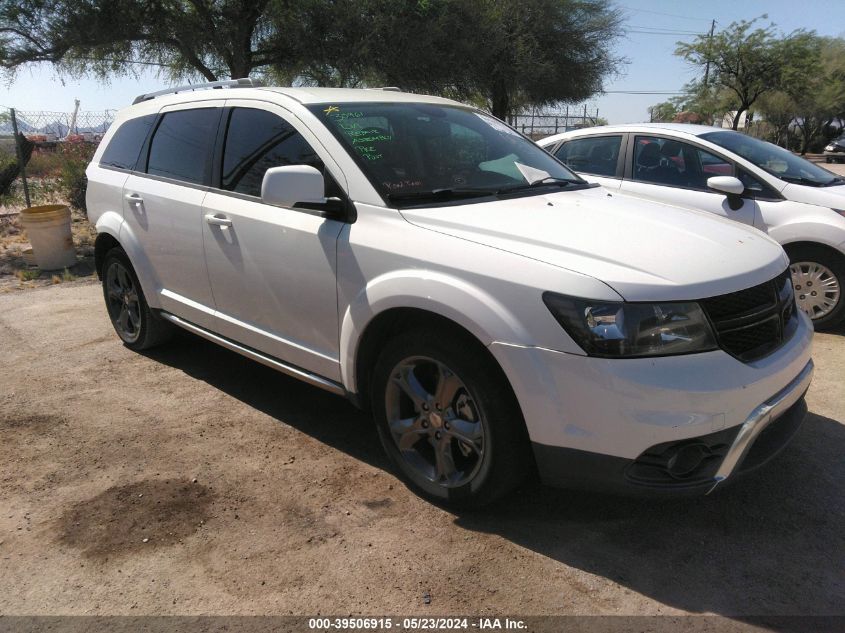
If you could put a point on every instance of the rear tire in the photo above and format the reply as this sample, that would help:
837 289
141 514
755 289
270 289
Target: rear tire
816 270
137 326
448 419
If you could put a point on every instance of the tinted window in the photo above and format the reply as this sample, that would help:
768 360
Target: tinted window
125 145
675 164
256 141
596 155
182 144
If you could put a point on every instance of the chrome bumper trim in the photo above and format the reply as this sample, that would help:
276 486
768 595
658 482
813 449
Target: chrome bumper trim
290 370
759 419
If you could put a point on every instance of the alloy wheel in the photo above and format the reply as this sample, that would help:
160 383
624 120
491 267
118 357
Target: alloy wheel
434 422
123 302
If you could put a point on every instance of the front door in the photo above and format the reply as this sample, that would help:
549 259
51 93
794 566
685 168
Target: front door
272 269
674 172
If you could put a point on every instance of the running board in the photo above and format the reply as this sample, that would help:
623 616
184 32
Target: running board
290 370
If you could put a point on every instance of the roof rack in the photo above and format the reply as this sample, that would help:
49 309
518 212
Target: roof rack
228 83
388 88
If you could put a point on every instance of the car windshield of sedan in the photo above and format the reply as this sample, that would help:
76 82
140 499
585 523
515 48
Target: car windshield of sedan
777 161
416 152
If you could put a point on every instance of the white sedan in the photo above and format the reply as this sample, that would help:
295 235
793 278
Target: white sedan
796 202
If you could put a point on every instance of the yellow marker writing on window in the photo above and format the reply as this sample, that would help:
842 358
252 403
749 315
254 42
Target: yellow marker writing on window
331 109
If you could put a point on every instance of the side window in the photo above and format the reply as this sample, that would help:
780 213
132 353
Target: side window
596 155
675 164
125 146
257 140
182 144
755 188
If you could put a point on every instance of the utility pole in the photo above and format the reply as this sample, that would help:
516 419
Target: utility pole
709 52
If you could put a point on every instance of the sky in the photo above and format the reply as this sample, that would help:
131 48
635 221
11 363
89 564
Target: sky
653 28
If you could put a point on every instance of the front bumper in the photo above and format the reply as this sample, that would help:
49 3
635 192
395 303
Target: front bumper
603 423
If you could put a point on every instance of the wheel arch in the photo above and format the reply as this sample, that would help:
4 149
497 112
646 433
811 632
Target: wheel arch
409 298
835 253
112 231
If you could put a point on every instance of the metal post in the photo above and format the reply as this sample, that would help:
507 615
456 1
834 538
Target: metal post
21 161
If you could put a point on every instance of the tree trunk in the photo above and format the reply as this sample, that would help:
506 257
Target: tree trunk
737 116
500 101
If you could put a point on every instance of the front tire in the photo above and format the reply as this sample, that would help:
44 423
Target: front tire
818 276
448 419
137 326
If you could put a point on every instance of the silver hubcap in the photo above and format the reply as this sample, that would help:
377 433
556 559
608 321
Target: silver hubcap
817 290
122 298
434 422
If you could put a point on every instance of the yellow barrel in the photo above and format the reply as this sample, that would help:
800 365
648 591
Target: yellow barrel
48 229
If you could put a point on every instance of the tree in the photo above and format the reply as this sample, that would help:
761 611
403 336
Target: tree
211 38
812 87
501 54
663 112
743 60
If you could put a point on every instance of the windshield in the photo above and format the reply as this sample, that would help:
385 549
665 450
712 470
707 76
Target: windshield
414 151
777 161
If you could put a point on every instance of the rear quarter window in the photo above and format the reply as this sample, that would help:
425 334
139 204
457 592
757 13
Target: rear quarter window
125 146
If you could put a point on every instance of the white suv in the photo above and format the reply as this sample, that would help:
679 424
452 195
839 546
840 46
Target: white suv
498 315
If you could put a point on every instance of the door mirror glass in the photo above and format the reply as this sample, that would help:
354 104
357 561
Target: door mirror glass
291 185
726 184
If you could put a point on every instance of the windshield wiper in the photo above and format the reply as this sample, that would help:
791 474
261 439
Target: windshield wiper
800 180
835 181
440 194
551 181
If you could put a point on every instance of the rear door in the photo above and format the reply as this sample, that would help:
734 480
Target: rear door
163 206
597 158
676 172
273 269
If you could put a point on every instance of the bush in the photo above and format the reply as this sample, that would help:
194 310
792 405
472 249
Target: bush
72 180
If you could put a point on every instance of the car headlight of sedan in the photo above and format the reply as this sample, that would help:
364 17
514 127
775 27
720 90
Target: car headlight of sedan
830 148
611 329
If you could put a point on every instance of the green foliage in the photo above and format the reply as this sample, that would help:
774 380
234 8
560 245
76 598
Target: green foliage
503 54
743 61
663 112
72 180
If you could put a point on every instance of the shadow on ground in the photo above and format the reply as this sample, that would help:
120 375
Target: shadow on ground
774 543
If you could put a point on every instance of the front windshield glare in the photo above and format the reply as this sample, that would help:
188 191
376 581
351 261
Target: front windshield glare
409 150
777 161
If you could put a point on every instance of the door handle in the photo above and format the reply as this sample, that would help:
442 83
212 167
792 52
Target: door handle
218 220
133 198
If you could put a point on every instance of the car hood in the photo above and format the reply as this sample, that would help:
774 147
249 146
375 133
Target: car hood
833 197
645 251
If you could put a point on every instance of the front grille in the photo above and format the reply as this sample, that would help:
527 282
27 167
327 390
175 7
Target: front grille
752 323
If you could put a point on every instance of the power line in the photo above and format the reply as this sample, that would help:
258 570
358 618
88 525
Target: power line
672 15
644 92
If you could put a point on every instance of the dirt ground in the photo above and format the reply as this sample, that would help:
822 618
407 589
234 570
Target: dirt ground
193 481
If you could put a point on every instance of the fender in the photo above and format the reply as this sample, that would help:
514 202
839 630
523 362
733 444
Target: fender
435 292
816 232
112 224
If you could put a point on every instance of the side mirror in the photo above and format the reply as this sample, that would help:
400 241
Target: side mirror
726 184
293 184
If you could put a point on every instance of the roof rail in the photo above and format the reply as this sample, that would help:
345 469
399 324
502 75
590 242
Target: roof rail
388 88
228 83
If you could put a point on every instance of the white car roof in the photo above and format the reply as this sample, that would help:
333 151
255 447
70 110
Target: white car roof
691 129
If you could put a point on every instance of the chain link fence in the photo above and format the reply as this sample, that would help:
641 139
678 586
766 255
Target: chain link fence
42 126
539 124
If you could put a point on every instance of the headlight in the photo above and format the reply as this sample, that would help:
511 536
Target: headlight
624 330
829 148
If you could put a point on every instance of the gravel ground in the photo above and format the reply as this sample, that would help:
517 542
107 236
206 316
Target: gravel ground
192 481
